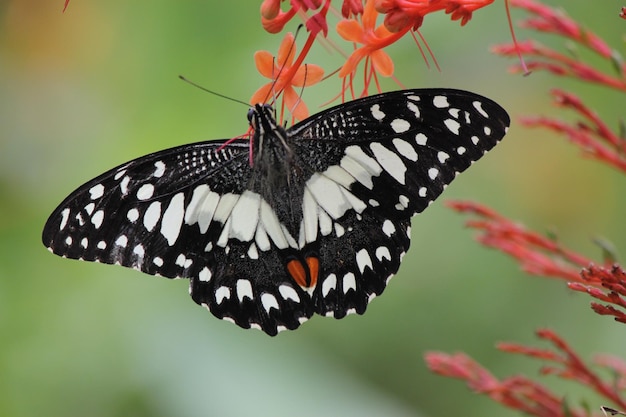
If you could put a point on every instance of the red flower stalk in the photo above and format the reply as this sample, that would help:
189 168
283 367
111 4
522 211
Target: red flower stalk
537 254
613 280
523 394
548 20
590 133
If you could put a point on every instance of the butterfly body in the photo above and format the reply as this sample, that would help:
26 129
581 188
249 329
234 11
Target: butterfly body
315 220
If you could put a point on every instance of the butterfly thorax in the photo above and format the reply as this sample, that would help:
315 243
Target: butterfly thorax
277 173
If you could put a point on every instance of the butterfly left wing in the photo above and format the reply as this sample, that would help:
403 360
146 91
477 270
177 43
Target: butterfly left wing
386 158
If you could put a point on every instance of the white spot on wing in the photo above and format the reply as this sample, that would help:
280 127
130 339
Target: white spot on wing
388 228
452 125
160 169
382 252
205 275
442 156
138 250
269 301
413 107
309 216
479 106
288 292
376 112
252 252
349 282
132 215
405 149
421 139
224 207
152 215
400 125
272 227
173 218
96 191
145 192
330 283
245 216
441 101
222 293
390 161
124 184
89 208
97 218
119 174
244 289
328 195
432 173
121 241
363 260
65 214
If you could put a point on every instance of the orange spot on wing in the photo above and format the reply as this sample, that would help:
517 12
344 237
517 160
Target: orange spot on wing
304 275
314 266
297 272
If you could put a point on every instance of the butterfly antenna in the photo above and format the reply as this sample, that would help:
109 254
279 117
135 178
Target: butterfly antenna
213 92
306 69
280 71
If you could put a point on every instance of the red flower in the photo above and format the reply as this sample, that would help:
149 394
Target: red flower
402 13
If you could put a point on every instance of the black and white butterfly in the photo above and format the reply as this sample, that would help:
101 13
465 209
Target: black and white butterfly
310 219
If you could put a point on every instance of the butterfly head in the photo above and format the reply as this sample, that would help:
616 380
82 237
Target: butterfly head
266 131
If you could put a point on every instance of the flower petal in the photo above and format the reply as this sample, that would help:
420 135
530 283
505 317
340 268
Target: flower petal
307 75
294 104
353 60
287 51
350 30
382 63
265 64
262 95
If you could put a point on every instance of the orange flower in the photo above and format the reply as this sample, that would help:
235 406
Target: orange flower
284 77
373 39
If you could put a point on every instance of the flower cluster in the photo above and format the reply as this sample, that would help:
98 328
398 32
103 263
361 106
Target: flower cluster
544 255
528 396
359 25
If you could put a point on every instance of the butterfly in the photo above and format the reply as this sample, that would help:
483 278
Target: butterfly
310 219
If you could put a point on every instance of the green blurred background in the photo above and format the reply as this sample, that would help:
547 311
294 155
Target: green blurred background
84 91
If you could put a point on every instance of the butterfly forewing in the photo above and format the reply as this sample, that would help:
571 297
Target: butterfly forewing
317 224
134 215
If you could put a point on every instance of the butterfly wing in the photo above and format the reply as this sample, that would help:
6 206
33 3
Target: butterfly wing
387 157
167 214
